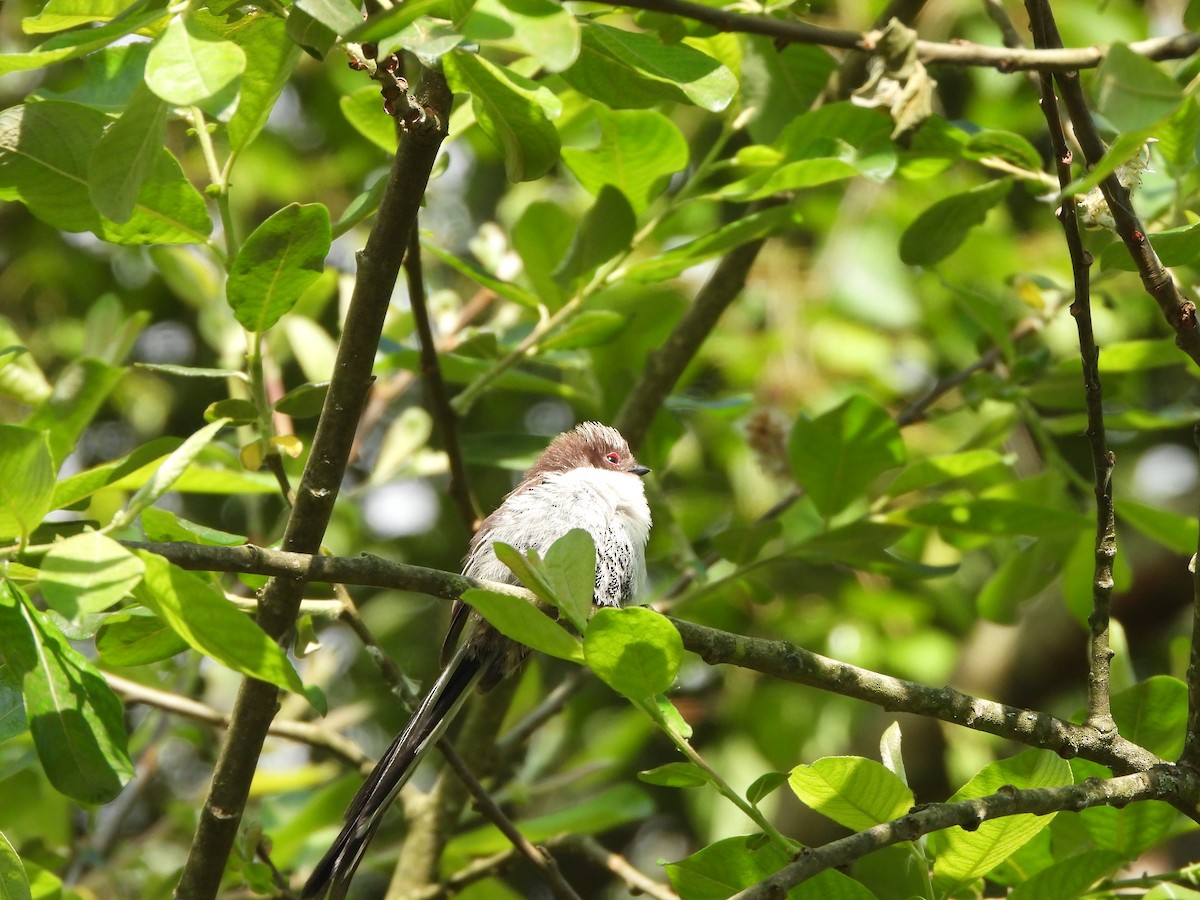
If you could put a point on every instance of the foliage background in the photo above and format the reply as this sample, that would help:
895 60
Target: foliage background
991 599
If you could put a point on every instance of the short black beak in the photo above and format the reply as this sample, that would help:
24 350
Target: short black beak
640 470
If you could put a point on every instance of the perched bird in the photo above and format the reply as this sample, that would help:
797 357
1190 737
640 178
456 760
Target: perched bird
586 478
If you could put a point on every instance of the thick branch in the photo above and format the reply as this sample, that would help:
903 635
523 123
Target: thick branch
1100 655
257 701
776 658
791 663
1006 59
1161 782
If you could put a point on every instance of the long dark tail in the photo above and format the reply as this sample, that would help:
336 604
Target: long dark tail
334 871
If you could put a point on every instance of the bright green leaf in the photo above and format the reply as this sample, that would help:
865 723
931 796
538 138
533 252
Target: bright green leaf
512 110
520 620
635 651
136 638
570 571
14 884
855 792
169 472
721 869
210 624
962 857
276 263
637 153
123 158
1133 92
77 722
87 574
676 775
189 65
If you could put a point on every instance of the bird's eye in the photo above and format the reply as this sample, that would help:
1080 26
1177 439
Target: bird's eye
613 458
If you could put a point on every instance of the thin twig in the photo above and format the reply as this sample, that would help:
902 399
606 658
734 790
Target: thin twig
302 732
958 53
1099 714
541 859
439 401
635 879
1157 280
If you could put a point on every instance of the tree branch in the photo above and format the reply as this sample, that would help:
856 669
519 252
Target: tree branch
378 266
1160 782
788 662
1099 714
1006 59
776 658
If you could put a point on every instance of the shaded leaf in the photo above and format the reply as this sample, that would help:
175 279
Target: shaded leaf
939 230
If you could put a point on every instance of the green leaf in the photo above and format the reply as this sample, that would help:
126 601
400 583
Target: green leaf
304 401
513 111
364 110
339 16
124 156
853 791
189 65
79 487
676 775
1069 878
508 291
764 785
996 515
234 410
590 328
1130 831
14 884
79 43
309 34
721 869
520 620
542 236
637 153
12 706
1133 92
1175 247
163 525
753 227
629 70
838 454
635 651
570 571
1170 529
962 857
87 574
1119 152
1022 575
168 473
26 480
778 82
136 638
979 467
381 25
44 153
544 30
76 720
606 231
210 624
458 369
1006 146
277 263
263 38
939 230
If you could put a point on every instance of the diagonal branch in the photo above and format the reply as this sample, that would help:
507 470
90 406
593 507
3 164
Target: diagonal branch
1160 782
1099 714
257 702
